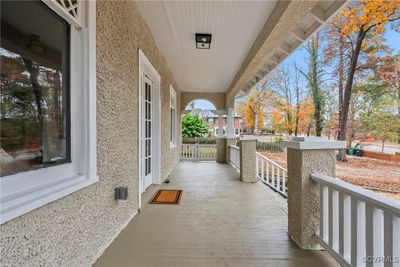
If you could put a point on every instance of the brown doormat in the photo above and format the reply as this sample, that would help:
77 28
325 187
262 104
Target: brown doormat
167 197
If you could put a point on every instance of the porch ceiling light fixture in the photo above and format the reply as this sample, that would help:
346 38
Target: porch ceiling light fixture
203 40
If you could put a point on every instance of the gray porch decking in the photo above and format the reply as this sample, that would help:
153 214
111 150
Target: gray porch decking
220 221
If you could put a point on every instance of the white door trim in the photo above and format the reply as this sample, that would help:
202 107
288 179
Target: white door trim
146 68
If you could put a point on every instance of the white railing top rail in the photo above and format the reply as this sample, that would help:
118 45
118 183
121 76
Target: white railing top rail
235 147
201 144
270 161
359 193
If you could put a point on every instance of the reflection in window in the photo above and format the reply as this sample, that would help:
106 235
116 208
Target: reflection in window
34 93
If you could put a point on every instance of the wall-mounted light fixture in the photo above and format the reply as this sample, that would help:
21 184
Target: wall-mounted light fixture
35 44
203 40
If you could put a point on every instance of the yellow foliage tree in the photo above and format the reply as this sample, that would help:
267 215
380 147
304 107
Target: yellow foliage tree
252 109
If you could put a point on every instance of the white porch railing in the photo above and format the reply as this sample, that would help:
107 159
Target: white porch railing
358 227
271 174
234 156
195 152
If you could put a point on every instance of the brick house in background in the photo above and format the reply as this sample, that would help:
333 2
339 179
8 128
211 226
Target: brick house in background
209 116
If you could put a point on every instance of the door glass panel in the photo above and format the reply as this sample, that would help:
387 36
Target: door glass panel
147 128
149 93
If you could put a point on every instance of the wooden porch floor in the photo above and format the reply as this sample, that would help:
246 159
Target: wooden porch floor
219 222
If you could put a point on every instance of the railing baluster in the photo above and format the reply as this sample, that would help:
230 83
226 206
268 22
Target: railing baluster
335 220
357 232
396 237
330 220
257 167
284 182
262 169
278 179
378 234
369 237
323 209
344 226
273 176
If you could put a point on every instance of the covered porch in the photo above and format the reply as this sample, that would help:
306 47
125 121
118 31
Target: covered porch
220 221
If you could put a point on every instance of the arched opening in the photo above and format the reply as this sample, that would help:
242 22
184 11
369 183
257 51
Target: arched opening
199 121
203 104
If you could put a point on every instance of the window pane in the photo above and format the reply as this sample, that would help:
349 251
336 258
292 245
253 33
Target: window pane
34 93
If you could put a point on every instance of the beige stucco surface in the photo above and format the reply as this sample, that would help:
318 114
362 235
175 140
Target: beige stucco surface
248 161
75 230
303 193
221 150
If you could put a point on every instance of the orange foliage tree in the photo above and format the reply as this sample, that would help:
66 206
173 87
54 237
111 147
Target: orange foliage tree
283 116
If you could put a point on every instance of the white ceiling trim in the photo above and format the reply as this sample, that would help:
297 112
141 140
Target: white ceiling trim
234 27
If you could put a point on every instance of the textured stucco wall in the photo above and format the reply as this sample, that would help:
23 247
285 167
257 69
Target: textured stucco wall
75 230
303 193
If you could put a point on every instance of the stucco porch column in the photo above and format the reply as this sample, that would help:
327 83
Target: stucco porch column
248 159
230 127
221 142
307 155
220 132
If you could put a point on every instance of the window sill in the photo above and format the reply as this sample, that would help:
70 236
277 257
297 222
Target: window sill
172 145
23 202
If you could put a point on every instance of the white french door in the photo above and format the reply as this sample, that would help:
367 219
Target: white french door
146 134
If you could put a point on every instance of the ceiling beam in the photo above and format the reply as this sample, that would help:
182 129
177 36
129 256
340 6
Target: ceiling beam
318 14
299 35
285 48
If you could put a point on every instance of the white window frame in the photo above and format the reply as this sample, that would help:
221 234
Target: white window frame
26 191
172 121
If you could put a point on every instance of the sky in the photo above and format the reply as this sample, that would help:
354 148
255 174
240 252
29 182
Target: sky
299 56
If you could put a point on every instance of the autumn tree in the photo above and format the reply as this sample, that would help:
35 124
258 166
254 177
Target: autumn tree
362 21
388 72
252 108
285 86
380 119
290 101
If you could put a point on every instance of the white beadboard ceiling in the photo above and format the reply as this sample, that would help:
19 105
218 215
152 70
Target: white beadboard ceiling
234 26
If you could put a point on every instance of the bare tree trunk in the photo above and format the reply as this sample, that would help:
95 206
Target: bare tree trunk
256 120
347 92
341 78
296 123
